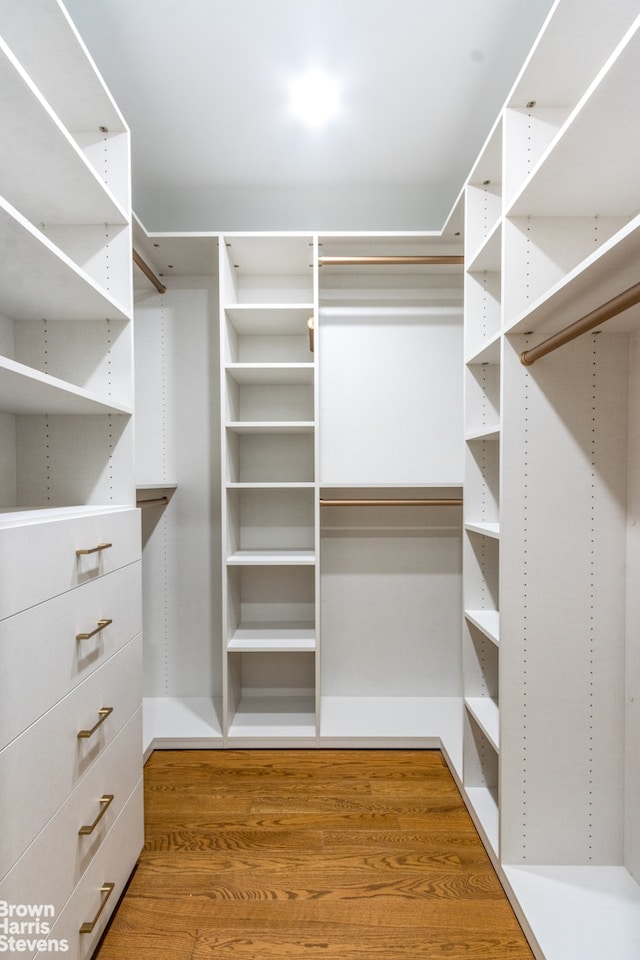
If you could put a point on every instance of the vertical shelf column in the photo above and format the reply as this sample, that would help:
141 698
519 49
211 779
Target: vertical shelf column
268 488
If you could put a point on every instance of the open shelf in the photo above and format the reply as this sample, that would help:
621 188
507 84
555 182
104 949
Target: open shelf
484 529
271 557
486 714
487 621
39 280
45 175
563 184
286 637
27 391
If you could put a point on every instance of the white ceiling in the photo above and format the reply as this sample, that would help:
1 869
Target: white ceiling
203 86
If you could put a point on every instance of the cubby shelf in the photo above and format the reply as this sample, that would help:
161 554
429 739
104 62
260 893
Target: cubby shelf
24 390
273 426
39 280
271 558
487 621
486 714
484 529
45 175
562 183
273 637
276 374
487 433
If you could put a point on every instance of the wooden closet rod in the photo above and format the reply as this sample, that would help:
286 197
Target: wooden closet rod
148 272
389 261
607 311
451 502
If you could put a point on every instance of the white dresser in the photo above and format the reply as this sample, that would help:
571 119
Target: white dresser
71 825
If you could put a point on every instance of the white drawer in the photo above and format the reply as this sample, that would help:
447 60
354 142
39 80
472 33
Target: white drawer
54 863
112 865
40 768
40 658
39 559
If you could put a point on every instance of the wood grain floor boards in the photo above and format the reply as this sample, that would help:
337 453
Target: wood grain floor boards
340 854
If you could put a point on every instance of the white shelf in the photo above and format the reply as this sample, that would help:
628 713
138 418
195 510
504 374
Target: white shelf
44 174
277 374
563 184
484 809
608 271
24 390
285 637
484 529
76 93
485 712
488 353
487 433
487 622
489 255
38 280
257 485
577 912
278 717
270 426
272 558
269 319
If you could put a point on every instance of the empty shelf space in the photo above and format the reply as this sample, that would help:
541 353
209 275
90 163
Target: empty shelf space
43 172
264 716
24 390
602 129
38 280
486 714
487 621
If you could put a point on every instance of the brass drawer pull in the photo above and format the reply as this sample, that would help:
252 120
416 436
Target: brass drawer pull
106 802
87 636
104 713
90 924
101 546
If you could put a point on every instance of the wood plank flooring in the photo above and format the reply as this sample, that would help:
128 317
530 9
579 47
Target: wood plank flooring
339 854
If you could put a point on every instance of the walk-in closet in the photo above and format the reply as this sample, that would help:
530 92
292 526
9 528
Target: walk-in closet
302 488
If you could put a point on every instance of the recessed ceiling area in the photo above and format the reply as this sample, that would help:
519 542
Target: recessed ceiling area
205 86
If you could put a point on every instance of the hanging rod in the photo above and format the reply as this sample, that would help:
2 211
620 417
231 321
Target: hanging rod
145 503
398 502
148 272
593 319
435 260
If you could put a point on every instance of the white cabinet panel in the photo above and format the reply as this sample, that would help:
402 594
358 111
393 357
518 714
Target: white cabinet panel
54 863
48 647
39 558
391 396
41 767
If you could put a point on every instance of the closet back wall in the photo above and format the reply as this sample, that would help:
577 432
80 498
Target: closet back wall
177 442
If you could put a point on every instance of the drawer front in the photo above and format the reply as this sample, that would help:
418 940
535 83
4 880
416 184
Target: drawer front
89 904
54 863
41 659
40 560
40 768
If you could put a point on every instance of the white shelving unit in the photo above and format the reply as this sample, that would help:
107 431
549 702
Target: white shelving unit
267 297
551 658
69 531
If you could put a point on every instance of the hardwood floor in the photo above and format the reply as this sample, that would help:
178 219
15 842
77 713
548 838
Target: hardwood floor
339 854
